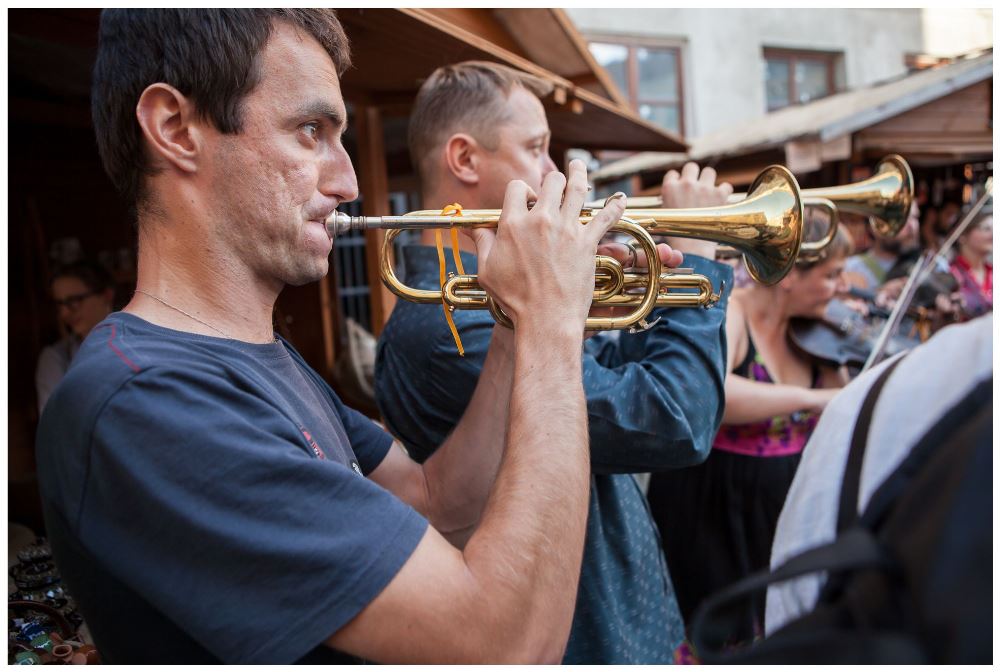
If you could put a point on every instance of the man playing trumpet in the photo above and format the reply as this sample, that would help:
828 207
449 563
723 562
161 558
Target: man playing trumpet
207 496
654 399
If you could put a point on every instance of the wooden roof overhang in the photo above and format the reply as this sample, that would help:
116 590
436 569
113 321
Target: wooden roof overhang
394 50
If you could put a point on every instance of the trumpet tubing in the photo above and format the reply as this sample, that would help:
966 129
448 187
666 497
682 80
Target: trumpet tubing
766 227
885 198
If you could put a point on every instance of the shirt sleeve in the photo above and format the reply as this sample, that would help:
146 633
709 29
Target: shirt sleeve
422 385
655 398
369 441
226 526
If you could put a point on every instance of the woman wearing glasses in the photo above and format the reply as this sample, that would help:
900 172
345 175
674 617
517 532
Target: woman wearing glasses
83 294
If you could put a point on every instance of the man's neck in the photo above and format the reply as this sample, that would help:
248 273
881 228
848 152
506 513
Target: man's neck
187 286
433 200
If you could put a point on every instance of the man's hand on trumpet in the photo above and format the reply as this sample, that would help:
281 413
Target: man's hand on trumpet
632 258
693 188
540 261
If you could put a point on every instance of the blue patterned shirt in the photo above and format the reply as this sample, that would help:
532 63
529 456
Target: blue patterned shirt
654 400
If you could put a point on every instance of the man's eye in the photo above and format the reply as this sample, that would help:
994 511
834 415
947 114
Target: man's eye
311 129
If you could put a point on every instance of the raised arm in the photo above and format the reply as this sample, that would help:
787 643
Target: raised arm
509 595
450 489
655 398
465 465
752 401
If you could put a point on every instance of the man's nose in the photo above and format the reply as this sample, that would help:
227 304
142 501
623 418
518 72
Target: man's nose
549 165
338 178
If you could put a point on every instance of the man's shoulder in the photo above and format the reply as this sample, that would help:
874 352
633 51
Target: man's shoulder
122 349
122 346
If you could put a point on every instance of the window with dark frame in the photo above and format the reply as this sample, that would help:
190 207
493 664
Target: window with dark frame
649 76
792 76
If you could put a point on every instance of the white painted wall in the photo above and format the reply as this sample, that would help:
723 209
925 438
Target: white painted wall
722 49
948 32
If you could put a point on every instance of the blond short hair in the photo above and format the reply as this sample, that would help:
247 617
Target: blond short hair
467 97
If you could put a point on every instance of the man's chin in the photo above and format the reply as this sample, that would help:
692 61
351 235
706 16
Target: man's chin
304 276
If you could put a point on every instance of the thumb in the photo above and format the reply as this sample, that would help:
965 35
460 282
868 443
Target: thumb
608 216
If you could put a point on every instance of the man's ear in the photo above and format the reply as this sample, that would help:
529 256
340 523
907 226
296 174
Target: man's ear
170 126
461 157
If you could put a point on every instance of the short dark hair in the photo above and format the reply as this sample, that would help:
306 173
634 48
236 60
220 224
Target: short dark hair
209 55
464 97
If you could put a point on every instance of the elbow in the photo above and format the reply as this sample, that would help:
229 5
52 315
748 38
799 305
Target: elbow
536 650
704 437
492 648
523 635
696 447
700 451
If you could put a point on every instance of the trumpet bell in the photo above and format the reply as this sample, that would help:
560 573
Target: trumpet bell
766 226
885 197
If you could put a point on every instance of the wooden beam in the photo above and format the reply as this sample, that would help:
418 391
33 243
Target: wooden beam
327 309
599 73
374 182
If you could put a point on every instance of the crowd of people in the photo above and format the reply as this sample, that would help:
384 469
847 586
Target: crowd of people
209 498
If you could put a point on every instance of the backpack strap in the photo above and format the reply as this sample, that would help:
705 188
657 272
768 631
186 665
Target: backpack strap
847 516
966 415
854 549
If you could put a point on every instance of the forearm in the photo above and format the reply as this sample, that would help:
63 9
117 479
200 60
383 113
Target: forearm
658 404
523 561
461 472
529 544
752 401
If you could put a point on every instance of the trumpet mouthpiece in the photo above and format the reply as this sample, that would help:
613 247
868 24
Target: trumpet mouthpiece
340 223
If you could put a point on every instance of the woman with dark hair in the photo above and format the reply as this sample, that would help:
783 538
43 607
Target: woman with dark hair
717 519
84 294
973 267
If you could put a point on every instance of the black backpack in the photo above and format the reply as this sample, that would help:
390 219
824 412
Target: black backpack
911 580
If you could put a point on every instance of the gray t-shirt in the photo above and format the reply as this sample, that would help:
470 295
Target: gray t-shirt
206 502
931 380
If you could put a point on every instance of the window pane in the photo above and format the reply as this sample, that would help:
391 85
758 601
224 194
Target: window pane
776 83
614 58
667 116
811 80
657 74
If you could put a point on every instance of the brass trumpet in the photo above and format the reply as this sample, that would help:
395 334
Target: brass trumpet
766 227
885 198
